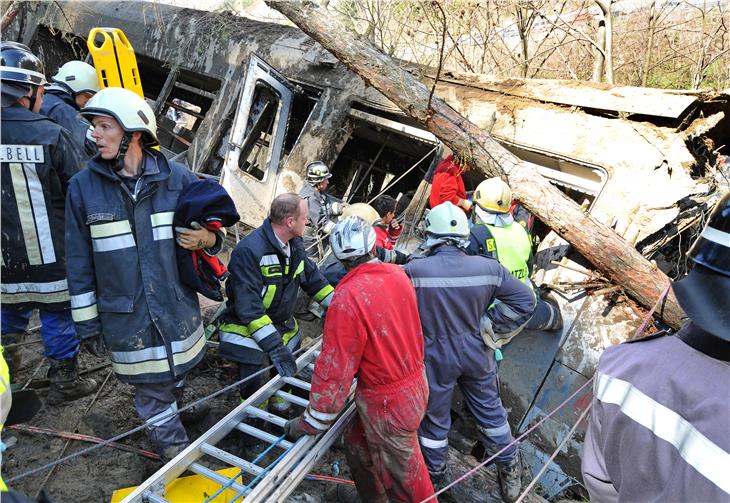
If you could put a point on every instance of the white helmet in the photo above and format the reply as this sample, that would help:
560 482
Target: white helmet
493 195
362 210
317 171
447 221
130 111
352 238
80 77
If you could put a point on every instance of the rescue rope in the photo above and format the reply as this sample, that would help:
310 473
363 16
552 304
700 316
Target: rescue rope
141 427
471 472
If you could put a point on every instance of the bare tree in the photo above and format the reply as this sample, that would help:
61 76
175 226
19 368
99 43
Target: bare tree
603 62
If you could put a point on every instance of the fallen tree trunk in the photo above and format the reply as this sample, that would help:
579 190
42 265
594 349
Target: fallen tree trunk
596 242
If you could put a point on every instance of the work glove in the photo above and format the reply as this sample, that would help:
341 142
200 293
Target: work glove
195 238
292 429
95 345
283 360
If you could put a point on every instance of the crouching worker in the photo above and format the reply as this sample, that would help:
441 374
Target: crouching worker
453 290
266 269
126 293
372 331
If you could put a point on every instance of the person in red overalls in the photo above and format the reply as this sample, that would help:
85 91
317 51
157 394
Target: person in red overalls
387 228
381 342
448 185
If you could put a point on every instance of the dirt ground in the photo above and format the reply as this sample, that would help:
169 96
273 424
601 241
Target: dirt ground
93 477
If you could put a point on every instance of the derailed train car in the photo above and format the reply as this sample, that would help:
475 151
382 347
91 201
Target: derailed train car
251 103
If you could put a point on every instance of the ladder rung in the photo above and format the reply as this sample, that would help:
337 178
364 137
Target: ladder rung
296 400
266 416
260 434
154 498
217 477
310 367
298 383
230 459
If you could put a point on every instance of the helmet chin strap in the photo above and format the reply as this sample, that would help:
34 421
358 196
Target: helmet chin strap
33 98
121 152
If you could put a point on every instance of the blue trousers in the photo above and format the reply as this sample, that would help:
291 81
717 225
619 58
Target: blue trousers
463 361
156 403
57 330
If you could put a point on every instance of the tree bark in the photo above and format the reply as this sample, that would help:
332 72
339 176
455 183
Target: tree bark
9 15
596 242
649 45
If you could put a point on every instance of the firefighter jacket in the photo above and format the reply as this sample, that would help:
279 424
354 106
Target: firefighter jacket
454 291
510 245
319 219
372 331
660 420
123 274
59 106
38 158
262 290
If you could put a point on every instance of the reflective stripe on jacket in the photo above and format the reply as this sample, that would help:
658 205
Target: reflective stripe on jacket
454 290
123 274
262 291
659 424
38 159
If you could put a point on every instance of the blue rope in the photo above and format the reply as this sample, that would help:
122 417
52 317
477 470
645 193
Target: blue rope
95 447
266 470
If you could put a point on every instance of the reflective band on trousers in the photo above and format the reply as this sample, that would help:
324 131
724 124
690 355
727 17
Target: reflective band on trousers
163 417
433 444
495 432
697 450
465 281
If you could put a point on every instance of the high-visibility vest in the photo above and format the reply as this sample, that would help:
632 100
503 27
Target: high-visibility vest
5 399
512 247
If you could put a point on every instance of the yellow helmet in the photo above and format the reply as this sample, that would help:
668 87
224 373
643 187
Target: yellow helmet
493 195
362 210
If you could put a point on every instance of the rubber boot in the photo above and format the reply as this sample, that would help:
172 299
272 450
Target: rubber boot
169 452
509 475
66 385
13 354
439 478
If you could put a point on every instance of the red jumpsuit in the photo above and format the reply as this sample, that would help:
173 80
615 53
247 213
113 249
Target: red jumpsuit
447 184
385 236
373 330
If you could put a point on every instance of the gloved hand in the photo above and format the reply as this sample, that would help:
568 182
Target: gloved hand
195 238
283 360
401 258
95 345
292 429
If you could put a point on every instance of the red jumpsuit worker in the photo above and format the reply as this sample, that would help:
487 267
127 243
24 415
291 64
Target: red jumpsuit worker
372 330
448 185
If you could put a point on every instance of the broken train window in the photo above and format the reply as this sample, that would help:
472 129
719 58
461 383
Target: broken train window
182 99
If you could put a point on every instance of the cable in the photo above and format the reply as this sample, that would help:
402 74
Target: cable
142 426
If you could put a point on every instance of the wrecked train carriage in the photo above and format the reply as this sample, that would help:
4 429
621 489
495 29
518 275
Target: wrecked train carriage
254 102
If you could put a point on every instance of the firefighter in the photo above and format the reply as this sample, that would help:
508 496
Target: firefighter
660 420
267 268
321 210
495 234
126 294
453 291
73 86
38 159
372 330
448 185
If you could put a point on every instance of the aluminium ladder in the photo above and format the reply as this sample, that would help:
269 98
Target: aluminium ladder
273 483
